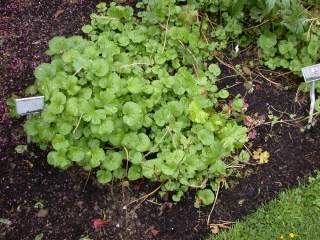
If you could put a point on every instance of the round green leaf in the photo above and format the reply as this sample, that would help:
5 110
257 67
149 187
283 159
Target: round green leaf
113 160
45 71
134 173
135 157
214 69
206 137
59 142
87 28
104 176
206 196
223 94
100 67
58 159
76 154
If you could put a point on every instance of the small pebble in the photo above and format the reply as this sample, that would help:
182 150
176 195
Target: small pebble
42 213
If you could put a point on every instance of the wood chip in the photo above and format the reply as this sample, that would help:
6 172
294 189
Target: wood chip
58 13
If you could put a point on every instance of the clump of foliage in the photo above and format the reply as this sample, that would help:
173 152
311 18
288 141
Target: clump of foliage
287 32
290 36
137 99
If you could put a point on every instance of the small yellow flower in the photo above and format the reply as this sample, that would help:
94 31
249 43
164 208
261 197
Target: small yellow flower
292 235
281 237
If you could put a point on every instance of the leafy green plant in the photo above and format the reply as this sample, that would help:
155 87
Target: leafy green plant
136 99
289 35
286 31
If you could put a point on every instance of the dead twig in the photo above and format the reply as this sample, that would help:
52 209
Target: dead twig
166 33
143 198
85 184
133 64
78 123
213 205
231 67
270 81
127 159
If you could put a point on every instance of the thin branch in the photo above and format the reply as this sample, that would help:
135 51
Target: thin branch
230 76
166 33
127 158
78 123
161 140
264 77
143 198
133 64
78 71
231 67
214 204
85 185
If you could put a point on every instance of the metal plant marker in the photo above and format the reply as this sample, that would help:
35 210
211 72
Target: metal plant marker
26 106
311 74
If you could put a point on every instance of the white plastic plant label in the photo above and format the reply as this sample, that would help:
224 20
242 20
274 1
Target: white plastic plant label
311 73
29 105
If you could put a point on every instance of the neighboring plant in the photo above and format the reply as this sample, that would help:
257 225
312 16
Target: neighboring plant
287 32
137 99
290 36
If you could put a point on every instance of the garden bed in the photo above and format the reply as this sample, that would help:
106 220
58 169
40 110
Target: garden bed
36 198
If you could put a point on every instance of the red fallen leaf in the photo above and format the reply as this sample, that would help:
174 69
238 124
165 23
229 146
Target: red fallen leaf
258 87
248 121
58 13
252 134
215 229
98 223
154 232
138 184
167 205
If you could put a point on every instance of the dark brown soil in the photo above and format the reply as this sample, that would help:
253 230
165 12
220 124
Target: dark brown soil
70 200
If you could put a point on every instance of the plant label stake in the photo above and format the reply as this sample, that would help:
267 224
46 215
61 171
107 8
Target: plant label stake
26 106
311 74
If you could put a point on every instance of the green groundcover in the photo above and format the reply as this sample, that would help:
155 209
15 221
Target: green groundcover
295 214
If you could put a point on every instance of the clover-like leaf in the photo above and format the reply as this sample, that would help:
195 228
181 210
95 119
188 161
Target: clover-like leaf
72 106
206 196
214 69
133 115
58 159
206 137
135 157
134 173
87 28
104 176
162 116
113 160
135 85
237 104
60 143
97 157
149 168
223 94
219 167
45 71
57 100
57 45
196 114
144 143
64 128
100 67
76 154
